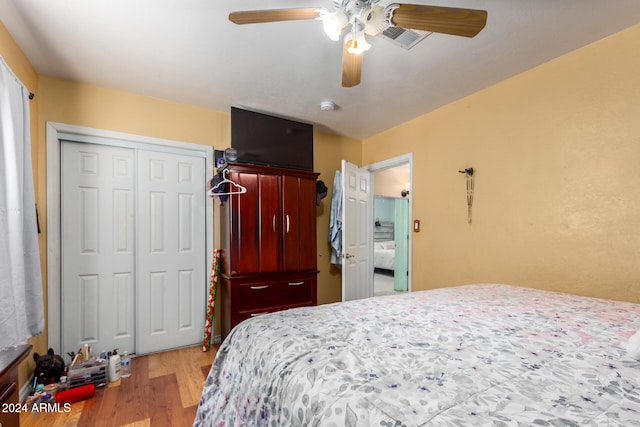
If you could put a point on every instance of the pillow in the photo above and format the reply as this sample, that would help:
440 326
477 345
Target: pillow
633 348
389 245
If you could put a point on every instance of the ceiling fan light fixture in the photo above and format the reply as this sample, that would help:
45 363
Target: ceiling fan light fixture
374 19
358 43
365 17
333 24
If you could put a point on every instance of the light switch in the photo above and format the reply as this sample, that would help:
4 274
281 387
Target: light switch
416 225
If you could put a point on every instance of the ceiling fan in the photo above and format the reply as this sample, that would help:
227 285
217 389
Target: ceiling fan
366 17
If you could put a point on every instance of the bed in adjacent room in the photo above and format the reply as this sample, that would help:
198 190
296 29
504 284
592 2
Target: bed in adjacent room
464 356
384 246
384 255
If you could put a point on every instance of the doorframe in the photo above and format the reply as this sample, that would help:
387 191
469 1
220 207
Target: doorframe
54 267
387 164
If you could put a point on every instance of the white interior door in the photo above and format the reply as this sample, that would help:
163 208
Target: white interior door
98 250
357 196
171 251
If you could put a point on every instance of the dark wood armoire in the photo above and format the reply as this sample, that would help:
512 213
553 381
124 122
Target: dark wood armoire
268 237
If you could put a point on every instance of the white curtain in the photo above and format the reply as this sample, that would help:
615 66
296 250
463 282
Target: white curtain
21 305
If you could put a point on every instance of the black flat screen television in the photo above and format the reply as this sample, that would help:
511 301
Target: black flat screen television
262 139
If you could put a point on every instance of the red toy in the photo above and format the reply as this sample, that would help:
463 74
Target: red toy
76 394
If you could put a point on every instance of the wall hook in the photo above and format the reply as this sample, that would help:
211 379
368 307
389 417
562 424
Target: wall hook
468 171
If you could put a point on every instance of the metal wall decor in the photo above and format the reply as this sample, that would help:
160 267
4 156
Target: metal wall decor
468 174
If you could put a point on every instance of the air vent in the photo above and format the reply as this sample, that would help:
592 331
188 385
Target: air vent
406 39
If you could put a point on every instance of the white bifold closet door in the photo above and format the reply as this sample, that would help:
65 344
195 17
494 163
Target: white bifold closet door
133 248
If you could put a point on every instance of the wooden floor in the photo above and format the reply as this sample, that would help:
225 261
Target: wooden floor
163 390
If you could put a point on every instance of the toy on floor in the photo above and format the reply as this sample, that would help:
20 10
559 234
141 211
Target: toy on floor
49 367
76 394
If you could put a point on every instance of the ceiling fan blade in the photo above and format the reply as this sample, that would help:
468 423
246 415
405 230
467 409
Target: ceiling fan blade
440 19
260 16
351 67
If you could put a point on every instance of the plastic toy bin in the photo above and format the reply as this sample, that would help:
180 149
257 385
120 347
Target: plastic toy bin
89 372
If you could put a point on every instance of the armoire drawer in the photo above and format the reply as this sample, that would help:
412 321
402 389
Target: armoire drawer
273 293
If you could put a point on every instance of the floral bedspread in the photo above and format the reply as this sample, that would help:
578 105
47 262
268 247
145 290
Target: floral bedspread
466 356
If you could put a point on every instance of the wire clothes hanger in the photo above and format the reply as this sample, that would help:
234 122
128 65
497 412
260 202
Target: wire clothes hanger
234 187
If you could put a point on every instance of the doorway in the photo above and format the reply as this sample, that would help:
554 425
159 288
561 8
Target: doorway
391 237
145 303
358 223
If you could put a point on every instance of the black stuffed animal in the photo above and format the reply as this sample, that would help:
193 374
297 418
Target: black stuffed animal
49 367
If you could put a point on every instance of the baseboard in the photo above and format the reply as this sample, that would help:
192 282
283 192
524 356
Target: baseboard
25 390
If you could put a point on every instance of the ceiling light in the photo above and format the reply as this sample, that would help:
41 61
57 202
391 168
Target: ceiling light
334 23
358 42
374 19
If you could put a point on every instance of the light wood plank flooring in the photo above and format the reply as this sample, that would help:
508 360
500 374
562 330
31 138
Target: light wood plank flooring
163 390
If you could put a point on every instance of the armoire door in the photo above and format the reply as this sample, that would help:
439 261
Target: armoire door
298 219
270 238
255 224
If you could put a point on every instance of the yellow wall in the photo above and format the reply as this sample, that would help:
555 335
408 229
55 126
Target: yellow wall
329 151
98 107
557 183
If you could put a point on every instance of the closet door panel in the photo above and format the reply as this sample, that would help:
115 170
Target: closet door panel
170 251
98 246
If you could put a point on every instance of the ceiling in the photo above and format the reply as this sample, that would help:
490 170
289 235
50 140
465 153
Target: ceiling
187 51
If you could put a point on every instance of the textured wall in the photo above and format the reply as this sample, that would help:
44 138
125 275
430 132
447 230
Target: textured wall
557 187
